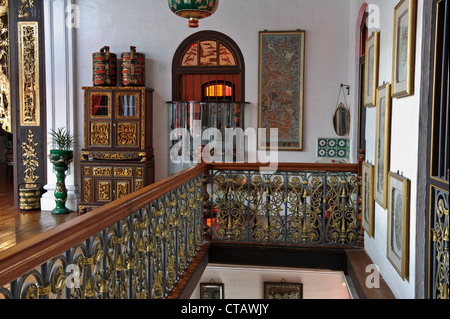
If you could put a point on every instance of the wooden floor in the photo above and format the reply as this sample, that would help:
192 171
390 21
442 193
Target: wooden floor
17 225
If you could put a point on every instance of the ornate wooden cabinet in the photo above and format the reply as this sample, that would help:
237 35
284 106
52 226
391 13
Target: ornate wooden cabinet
117 157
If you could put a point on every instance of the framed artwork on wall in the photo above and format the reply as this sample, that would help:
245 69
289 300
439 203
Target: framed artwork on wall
211 290
281 83
382 144
368 208
403 57
371 72
398 223
283 290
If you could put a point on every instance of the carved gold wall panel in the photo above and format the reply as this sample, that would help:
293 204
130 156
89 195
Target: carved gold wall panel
5 86
100 133
29 73
24 7
30 159
127 134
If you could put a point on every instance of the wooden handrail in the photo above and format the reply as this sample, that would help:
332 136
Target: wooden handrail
295 167
31 253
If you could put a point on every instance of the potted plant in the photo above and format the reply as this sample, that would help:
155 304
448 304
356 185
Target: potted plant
61 155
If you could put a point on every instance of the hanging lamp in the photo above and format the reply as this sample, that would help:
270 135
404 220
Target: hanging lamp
193 9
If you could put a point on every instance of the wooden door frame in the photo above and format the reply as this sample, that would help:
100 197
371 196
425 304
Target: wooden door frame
423 238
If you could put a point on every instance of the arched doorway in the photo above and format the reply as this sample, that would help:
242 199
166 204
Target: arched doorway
208 86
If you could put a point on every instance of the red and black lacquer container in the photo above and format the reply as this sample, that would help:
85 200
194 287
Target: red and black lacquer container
104 68
133 68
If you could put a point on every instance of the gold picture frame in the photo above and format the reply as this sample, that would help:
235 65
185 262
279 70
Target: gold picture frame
371 69
283 290
212 290
382 144
403 56
368 207
398 224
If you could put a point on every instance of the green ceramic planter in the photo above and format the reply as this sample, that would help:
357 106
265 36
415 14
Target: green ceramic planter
193 9
61 160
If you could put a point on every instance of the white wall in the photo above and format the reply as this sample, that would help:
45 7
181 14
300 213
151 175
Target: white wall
157 32
404 144
247 282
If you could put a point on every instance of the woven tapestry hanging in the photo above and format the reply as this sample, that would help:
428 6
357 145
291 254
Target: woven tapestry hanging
281 82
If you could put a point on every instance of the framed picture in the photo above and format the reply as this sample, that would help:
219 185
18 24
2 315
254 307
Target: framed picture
398 223
371 72
382 144
281 83
283 290
403 59
211 290
368 208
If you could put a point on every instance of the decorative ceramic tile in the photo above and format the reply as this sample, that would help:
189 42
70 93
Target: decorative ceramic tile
333 147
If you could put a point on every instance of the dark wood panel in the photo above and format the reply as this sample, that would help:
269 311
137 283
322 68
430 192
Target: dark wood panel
27 11
332 258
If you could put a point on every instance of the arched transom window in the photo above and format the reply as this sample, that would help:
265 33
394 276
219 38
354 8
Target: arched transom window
208 66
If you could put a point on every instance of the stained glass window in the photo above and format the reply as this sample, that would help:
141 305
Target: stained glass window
190 58
208 53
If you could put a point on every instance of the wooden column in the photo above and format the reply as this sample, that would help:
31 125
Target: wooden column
27 92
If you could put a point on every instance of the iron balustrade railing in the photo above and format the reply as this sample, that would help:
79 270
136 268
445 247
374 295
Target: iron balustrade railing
140 245
149 239
302 205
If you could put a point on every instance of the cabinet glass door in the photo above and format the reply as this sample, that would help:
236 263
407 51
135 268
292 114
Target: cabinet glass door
127 130
100 104
127 105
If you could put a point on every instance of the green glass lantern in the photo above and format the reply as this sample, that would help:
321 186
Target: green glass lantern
193 9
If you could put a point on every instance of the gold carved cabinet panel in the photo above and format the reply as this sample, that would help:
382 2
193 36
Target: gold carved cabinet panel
123 188
127 134
100 133
103 191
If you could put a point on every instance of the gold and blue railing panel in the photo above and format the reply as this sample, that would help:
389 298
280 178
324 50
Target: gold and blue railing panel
305 208
141 256
440 244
